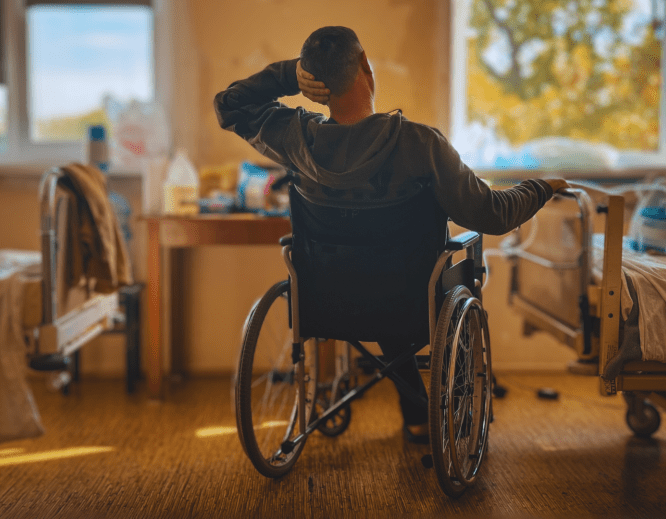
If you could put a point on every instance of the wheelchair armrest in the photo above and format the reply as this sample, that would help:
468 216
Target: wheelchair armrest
462 240
286 240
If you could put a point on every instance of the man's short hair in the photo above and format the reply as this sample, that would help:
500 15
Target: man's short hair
331 54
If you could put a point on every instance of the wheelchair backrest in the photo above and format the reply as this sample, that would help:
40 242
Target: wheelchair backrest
363 273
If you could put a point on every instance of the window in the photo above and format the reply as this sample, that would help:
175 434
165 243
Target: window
66 62
559 83
77 57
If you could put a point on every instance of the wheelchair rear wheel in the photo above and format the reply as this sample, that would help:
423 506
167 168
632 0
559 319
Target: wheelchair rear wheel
267 411
460 391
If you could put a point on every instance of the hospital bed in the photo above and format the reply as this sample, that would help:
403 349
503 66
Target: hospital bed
567 281
59 320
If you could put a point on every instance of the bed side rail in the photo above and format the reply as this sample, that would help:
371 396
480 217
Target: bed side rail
611 286
579 338
49 207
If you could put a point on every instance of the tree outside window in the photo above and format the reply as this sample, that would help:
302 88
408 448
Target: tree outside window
581 71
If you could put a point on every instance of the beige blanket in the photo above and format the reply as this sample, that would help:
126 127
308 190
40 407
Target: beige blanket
19 417
648 274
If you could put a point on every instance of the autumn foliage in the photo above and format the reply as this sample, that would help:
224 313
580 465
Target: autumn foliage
565 68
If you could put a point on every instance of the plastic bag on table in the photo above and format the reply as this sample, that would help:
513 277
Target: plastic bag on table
139 134
647 230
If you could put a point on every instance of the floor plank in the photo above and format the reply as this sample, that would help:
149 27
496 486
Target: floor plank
574 457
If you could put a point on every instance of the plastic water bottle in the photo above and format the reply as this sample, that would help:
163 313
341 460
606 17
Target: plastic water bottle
98 150
181 188
98 156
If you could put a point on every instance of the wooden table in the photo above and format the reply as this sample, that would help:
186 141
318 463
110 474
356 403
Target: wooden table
168 232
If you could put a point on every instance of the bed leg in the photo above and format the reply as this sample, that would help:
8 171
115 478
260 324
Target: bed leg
76 365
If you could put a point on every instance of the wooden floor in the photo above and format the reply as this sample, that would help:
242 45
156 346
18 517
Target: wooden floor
573 457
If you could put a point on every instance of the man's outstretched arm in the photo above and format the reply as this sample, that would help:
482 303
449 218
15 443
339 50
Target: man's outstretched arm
472 204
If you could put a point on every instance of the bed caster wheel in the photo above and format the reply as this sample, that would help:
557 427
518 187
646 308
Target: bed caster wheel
59 381
642 418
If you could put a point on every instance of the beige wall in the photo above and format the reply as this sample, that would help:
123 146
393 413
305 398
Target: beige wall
19 214
234 39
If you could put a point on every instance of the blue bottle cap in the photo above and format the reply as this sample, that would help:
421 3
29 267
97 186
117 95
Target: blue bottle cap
654 213
96 133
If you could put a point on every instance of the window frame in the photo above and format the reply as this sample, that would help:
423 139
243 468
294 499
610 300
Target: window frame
21 150
627 159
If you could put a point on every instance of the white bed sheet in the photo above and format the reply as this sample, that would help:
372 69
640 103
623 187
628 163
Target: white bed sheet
648 275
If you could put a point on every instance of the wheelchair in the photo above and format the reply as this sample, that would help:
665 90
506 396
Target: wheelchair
368 275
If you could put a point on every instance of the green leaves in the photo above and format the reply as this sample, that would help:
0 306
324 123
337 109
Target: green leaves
566 68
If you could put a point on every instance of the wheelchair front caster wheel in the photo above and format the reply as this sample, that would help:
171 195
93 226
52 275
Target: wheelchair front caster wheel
643 422
337 423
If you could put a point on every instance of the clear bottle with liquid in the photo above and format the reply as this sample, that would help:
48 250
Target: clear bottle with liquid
181 188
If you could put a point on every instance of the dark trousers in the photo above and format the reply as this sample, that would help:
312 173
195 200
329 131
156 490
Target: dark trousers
412 413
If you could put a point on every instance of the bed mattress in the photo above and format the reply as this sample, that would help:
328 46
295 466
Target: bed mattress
24 269
648 275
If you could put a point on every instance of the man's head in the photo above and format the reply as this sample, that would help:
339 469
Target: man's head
332 55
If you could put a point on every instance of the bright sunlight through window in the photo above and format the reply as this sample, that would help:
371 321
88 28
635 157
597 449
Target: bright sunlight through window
577 73
78 59
57 454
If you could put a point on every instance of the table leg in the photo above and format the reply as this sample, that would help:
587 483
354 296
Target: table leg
154 357
166 287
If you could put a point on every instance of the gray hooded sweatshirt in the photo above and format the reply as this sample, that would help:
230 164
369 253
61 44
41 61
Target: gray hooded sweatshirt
379 161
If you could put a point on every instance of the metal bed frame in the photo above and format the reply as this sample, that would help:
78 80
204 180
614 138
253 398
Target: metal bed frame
63 336
641 381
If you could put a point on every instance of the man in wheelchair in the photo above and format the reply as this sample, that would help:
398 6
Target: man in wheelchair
366 179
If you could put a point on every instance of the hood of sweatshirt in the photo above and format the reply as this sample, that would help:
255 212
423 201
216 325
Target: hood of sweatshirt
342 156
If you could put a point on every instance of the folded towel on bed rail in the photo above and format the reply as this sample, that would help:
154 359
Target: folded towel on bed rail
96 247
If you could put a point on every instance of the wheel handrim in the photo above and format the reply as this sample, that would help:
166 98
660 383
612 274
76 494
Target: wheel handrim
467 415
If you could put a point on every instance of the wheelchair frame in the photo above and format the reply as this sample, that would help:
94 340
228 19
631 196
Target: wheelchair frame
464 241
473 434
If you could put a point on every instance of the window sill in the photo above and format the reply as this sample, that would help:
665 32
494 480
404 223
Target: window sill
500 176
36 170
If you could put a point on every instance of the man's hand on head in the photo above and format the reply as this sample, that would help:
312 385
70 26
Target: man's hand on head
557 184
313 90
